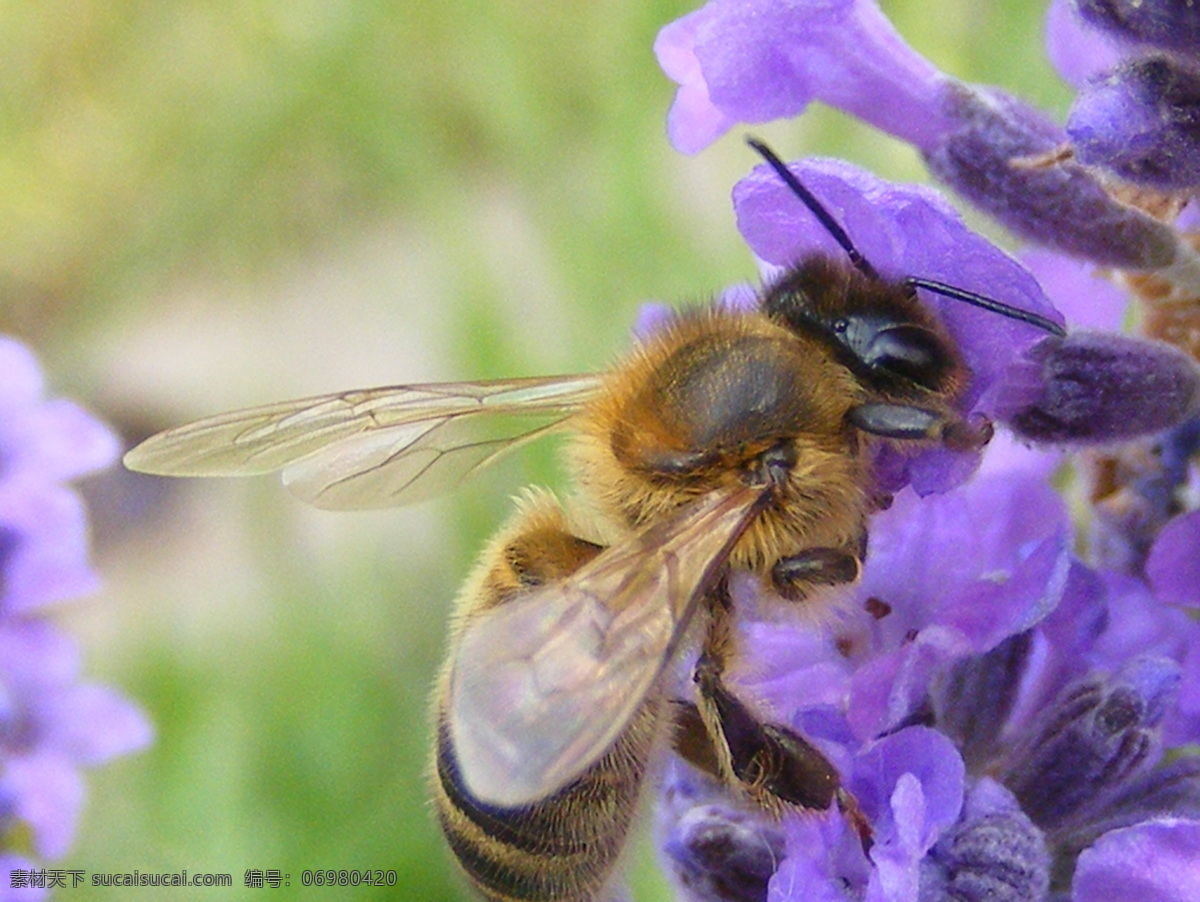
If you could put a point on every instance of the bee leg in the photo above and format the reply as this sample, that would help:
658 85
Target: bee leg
720 735
772 762
695 744
795 576
692 740
902 421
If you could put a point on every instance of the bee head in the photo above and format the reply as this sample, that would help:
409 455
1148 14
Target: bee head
877 329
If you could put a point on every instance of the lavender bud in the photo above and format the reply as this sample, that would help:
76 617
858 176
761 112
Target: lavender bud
1061 206
1169 24
1142 122
995 858
1095 738
1170 791
994 853
1100 387
719 854
977 696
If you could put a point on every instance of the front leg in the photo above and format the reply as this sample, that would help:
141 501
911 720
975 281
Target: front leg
903 421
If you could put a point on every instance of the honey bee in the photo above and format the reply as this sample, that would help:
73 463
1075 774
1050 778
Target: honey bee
725 441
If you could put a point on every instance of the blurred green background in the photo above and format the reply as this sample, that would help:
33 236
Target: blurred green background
209 205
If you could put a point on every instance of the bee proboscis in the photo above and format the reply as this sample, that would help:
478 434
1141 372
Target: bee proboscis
725 440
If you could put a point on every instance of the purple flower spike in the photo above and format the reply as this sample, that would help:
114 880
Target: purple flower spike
1169 24
1142 122
1157 860
1101 387
1061 206
755 60
758 60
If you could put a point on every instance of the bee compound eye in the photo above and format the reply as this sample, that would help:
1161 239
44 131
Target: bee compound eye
908 351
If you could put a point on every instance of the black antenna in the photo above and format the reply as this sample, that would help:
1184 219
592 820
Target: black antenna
983 301
823 216
864 266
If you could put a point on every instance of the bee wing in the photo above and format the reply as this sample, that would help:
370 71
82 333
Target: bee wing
541 686
372 448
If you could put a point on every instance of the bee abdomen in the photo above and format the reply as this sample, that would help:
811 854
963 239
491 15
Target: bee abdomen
559 849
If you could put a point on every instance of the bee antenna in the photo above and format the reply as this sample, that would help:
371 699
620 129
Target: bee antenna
864 266
986 303
815 207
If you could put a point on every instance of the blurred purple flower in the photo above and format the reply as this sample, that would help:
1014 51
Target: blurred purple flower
15 885
51 724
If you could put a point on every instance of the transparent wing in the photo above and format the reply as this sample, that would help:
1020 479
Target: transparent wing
372 448
540 687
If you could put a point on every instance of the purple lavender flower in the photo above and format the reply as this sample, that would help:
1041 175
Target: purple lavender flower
756 60
1141 121
1012 718
995 705
1138 110
1168 24
51 723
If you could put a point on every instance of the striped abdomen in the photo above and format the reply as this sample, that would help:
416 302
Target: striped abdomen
561 849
